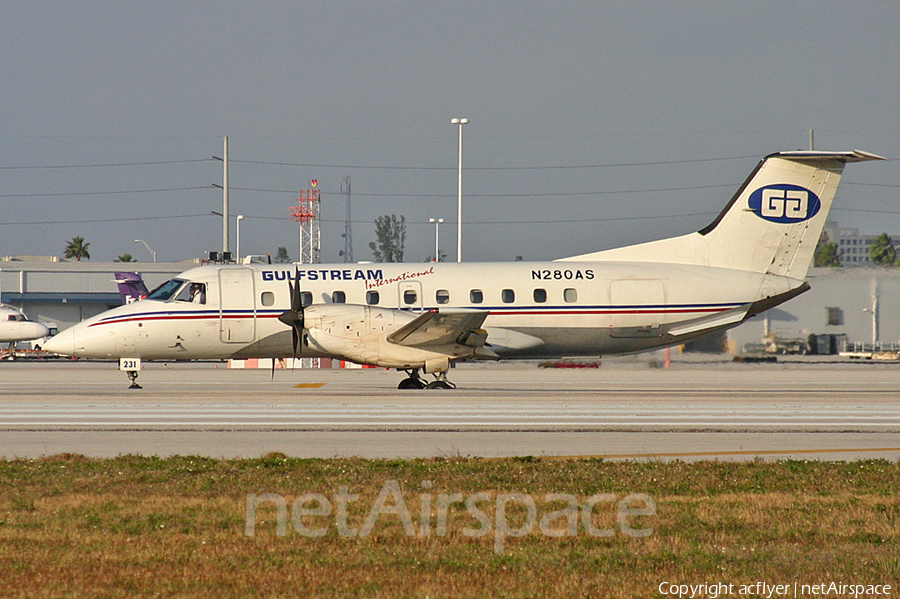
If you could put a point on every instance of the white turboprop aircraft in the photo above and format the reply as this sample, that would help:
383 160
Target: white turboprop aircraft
15 326
753 256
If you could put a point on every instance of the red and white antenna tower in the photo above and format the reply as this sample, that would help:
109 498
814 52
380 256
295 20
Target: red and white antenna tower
307 214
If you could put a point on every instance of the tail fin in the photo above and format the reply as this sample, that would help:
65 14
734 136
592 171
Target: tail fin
131 287
772 224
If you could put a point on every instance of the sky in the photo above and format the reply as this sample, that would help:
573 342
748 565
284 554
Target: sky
592 125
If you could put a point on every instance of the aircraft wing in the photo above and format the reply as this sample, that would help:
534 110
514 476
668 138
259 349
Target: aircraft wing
436 328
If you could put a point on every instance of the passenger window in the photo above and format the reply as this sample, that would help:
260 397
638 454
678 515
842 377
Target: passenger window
508 296
540 296
338 297
410 297
267 298
442 296
476 296
194 293
305 298
372 298
570 295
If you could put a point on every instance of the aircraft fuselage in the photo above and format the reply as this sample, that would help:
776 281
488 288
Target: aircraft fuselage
15 326
535 310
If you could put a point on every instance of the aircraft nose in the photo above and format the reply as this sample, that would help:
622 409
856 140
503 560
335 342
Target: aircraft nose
62 343
37 330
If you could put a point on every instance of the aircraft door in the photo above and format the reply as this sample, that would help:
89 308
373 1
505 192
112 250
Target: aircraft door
637 303
237 305
411 296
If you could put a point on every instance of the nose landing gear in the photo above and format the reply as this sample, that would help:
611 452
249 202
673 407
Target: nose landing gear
131 367
132 377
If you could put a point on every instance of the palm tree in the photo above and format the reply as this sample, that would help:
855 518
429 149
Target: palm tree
882 251
126 258
78 249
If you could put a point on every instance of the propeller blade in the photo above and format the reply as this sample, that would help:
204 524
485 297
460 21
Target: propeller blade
296 296
291 291
298 300
294 317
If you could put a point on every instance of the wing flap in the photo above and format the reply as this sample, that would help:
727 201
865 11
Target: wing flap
436 328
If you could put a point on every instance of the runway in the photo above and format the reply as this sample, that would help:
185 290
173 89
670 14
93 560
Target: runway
623 410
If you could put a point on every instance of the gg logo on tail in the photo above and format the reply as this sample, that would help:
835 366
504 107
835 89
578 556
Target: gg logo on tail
784 203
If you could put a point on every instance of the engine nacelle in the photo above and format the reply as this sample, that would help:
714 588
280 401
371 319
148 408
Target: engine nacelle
359 333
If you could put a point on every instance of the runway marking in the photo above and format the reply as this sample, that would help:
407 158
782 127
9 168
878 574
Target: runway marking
443 416
309 385
700 454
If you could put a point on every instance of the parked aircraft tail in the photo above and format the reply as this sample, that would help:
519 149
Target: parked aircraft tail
772 224
131 287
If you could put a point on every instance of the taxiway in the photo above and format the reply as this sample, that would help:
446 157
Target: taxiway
626 409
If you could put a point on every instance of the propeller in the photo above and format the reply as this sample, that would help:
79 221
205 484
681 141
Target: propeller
269 255
294 317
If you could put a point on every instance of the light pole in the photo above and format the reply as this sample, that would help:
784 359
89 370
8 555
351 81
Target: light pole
240 217
874 312
437 237
460 122
146 246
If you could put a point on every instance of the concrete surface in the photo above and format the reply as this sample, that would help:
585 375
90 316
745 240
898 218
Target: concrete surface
698 409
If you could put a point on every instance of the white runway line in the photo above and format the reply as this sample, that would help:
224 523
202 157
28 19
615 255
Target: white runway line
445 416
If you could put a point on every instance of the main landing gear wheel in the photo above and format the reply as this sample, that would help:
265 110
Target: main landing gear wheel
411 383
415 381
440 385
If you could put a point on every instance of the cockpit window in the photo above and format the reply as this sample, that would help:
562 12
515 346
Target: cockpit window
165 291
194 293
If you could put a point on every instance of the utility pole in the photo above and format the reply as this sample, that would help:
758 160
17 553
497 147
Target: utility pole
348 235
460 122
226 242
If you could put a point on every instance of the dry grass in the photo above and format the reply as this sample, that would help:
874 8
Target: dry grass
149 527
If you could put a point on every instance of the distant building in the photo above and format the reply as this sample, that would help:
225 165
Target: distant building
52 290
853 248
861 303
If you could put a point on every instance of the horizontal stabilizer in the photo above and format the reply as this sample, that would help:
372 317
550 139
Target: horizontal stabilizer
729 317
